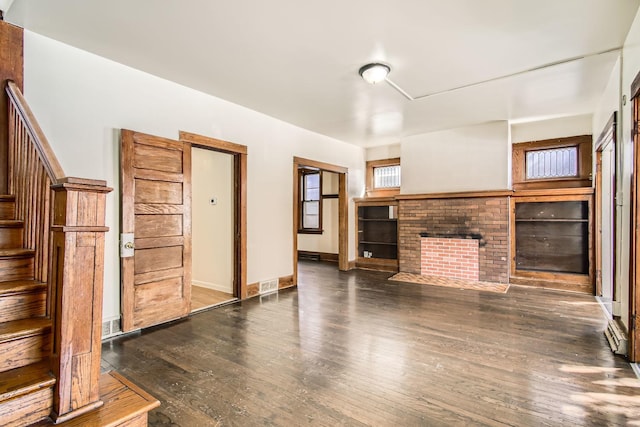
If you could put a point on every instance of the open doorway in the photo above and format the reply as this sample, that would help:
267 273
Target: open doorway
212 220
319 212
218 221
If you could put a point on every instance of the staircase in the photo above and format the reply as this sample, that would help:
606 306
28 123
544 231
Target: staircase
51 268
26 382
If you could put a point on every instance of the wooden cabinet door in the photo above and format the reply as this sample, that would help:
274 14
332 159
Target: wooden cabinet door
156 208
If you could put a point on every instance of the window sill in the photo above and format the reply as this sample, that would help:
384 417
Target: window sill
310 231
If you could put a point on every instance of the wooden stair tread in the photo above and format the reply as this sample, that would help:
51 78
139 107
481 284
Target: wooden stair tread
11 223
21 286
20 381
23 328
16 253
122 399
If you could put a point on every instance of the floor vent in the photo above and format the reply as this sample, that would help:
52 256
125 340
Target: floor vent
268 286
617 339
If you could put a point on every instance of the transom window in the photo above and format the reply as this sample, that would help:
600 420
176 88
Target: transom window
552 163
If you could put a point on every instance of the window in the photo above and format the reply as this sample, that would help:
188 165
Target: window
310 201
383 177
555 163
552 163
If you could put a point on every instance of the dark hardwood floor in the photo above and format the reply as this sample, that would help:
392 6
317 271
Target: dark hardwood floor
355 349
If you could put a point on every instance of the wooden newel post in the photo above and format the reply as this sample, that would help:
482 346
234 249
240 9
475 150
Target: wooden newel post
76 277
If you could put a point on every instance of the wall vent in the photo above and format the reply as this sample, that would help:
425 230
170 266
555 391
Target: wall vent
111 328
617 339
268 286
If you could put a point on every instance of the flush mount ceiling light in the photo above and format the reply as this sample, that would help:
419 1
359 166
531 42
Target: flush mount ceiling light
376 72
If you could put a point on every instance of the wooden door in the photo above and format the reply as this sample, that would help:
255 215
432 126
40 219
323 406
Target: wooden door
156 208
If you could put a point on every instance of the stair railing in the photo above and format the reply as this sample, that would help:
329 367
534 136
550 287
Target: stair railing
64 222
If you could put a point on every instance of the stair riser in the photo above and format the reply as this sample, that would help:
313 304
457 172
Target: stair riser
22 306
27 409
16 269
10 237
7 210
22 352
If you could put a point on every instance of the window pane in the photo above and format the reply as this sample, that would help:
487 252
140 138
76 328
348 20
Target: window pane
310 215
386 176
312 187
553 163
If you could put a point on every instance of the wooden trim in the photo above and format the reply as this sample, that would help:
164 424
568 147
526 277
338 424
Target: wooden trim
322 256
239 153
320 165
45 152
378 264
371 191
456 195
634 240
583 178
608 133
635 87
285 282
201 141
343 223
598 223
583 191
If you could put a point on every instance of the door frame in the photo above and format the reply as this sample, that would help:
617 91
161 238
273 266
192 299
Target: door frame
239 153
343 211
634 243
608 136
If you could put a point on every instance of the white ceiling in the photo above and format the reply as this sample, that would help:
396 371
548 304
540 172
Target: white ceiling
298 60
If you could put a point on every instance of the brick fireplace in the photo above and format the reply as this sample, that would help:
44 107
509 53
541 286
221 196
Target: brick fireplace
480 221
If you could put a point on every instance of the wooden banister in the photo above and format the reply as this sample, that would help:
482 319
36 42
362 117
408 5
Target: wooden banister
40 142
64 223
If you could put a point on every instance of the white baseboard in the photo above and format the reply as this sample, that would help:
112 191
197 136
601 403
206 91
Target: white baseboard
214 286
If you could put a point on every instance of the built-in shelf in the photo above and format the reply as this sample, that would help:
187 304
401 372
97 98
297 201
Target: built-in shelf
551 238
377 235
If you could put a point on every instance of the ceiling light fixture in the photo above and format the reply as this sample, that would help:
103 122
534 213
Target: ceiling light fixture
376 72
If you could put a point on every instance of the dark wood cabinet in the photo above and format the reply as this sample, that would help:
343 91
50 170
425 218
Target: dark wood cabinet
377 234
551 241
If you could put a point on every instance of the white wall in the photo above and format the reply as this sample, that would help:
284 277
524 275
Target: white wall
81 101
212 225
472 158
383 152
630 68
552 128
328 241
